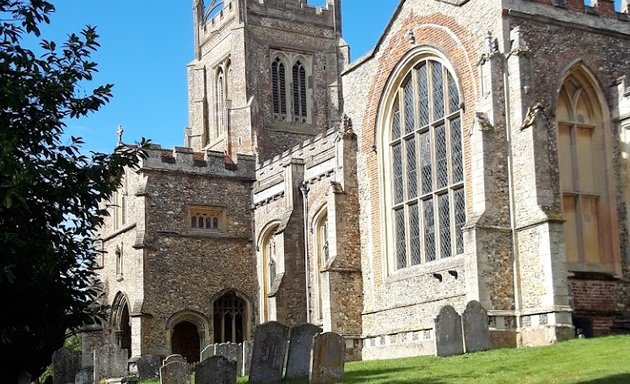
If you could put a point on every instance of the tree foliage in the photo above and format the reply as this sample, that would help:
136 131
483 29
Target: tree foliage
49 190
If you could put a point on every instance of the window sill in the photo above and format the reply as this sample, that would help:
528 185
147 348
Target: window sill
443 266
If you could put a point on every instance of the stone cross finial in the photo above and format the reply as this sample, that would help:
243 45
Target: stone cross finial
119 133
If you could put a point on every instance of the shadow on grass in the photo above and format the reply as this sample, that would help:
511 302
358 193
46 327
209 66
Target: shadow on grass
623 378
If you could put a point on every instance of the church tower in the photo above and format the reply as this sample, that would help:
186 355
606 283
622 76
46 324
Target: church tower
266 75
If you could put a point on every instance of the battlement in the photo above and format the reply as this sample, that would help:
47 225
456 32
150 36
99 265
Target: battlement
300 11
211 163
600 8
215 18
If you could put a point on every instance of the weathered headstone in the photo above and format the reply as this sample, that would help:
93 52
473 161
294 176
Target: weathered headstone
448 332
328 358
109 361
66 363
208 351
84 376
476 332
300 346
216 370
172 358
24 378
270 345
232 352
247 347
175 372
149 367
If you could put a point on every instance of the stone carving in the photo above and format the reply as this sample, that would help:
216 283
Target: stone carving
300 346
66 363
532 114
270 345
328 358
216 370
109 361
483 122
476 332
149 367
175 372
448 332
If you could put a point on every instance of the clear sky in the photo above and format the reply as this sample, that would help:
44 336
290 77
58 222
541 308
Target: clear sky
145 47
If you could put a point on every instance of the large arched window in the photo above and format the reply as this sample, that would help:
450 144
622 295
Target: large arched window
587 206
423 160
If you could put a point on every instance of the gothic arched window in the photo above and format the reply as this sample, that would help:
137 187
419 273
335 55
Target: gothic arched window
423 158
279 89
587 205
300 112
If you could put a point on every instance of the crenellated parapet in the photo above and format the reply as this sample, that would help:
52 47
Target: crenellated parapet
301 11
214 17
599 8
186 160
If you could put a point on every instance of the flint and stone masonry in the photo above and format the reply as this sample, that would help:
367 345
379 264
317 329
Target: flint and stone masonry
479 152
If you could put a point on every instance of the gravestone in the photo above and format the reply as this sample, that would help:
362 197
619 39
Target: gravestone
476 332
109 361
270 345
232 352
148 367
448 332
84 376
207 352
300 346
216 370
24 378
172 358
175 372
328 358
66 363
247 347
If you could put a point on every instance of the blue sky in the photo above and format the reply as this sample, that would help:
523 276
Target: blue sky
145 47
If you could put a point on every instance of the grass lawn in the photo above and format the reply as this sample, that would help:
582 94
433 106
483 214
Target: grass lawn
595 361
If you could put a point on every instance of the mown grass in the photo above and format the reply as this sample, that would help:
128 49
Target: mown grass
594 361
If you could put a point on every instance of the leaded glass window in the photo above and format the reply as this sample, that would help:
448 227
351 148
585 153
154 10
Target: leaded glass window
279 89
425 150
299 93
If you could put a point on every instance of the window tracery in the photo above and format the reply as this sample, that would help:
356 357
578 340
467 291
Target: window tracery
424 161
290 93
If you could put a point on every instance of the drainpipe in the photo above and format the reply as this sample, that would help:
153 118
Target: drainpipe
515 252
304 190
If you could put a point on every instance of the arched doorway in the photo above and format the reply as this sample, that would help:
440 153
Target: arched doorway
121 322
185 341
125 330
230 318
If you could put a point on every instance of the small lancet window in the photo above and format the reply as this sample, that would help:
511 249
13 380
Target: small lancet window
279 92
299 93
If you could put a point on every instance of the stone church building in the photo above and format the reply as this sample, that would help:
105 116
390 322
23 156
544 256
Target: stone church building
480 152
